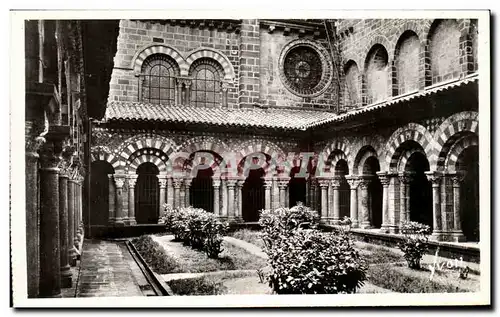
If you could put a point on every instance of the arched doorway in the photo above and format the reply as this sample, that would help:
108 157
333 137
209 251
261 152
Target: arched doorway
99 193
253 195
420 205
201 193
370 168
147 194
296 188
341 170
468 168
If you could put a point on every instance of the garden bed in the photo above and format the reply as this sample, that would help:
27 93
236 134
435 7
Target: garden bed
193 261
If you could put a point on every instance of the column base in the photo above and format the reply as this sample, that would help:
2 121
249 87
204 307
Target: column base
111 221
385 228
365 225
72 256
66 277
132 221
437 235
393 229
119 222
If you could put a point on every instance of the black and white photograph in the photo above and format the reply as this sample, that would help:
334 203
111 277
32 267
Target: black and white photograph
182 159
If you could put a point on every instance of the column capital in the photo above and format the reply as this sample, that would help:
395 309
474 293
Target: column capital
216 183
268 183
405 177
353 181
364 182
177 182
434 178
119 180
384 178
231 181
283 182
187 181
132 179
323 181
335 181
457 178
163 182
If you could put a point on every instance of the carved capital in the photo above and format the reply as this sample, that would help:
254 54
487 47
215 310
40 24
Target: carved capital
434 178
364 183
231 182
385 180
336 181
224 86
405 178
268 183
119 181
177 182
240 182
323 182
353 182
132 180
216 183
188 181
163 182
283 182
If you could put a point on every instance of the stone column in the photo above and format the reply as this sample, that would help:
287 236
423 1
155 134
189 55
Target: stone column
231 183
323 184
239 194
170 192
353 185
112 194
182 194
32 213
267 193
119 218
365 222
335 182
187 191
224 189
283 184
458 235
393 199
216 185
78 238
404 191
162 179
435 179
275 194
329 193
72 252
66 280
385 181
125 205
314 195
50 255
177 182
132 179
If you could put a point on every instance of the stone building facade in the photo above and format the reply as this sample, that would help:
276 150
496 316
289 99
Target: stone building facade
388 109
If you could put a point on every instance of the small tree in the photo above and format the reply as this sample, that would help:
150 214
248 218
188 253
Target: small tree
414 244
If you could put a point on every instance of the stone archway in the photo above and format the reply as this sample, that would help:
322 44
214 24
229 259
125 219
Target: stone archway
147 194
101 204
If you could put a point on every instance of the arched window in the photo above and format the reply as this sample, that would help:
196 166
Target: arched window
158 79
206 83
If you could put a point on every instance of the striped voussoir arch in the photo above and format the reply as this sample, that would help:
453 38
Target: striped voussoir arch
364 153
402 165
336 146
151 158
450 130
261 146
203 143
103 156
457 149
411 132
149 50
139 142
212 54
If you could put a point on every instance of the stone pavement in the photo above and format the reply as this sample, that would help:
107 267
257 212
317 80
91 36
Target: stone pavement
108 269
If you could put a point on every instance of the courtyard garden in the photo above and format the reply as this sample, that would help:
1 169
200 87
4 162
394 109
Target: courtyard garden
199 255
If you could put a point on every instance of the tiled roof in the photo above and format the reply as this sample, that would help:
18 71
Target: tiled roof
397 100
274 118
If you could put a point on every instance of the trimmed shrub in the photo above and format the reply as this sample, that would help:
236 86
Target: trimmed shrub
197 228
155 256
197 286
414 244
283 221
312 262
304 260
